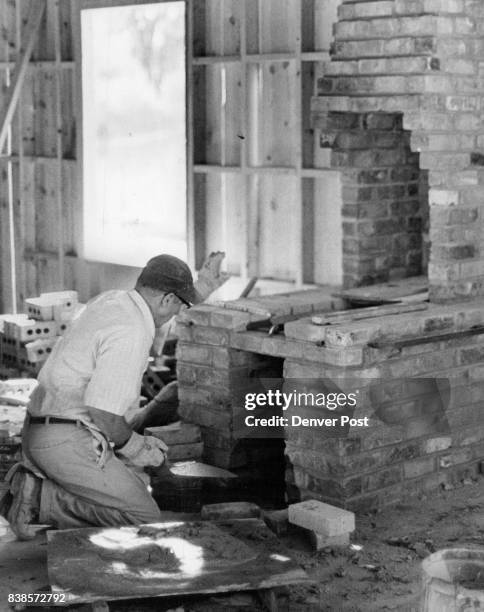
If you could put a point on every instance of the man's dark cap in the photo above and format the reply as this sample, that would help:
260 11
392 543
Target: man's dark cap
171 275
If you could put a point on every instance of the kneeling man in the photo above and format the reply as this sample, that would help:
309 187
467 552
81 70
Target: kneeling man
84 463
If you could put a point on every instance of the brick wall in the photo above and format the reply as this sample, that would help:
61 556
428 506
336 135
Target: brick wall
423 59
385 212
406 450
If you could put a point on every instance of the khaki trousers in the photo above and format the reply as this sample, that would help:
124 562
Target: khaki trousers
78 492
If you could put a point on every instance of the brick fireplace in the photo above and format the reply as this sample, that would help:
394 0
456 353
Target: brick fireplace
397 454
399 114
421 59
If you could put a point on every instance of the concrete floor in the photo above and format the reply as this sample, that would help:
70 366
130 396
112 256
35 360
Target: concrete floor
382 576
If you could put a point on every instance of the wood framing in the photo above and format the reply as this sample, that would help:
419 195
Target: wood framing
253 75
35 16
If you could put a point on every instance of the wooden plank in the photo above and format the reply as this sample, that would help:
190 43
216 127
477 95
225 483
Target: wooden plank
296 134
328 230
307 92
406 341
389 292
66 37
308 230
171 558
233 127
307 25
38 65
279 241
252 26
244 134
35 17
259 58
21 225
224 218
346 316
278 103
200 219
215 59
277 25
59 201
325 15
192 229
222 27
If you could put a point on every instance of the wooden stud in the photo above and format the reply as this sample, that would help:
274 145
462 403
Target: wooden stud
58 142
192 229
35 17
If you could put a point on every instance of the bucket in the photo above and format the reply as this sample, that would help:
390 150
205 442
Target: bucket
453 581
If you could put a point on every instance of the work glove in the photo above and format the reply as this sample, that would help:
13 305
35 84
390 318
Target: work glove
144 451
210 276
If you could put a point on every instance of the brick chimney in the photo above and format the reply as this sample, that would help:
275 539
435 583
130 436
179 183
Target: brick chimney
401 104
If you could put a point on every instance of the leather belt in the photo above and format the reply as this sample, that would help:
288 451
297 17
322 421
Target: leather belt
48 420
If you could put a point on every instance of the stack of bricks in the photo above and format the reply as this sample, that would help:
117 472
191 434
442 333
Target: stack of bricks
370 466
422 59
402 451
26 340
214 362
385 209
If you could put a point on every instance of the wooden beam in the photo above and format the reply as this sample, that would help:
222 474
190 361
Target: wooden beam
36 13
59 142
405 341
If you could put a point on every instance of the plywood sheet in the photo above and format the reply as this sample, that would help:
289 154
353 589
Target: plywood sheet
172 558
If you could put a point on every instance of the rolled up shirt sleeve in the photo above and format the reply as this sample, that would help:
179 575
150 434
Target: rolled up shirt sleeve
121 358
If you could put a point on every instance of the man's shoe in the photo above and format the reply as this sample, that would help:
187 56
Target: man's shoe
24 510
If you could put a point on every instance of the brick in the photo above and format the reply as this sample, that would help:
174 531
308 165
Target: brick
224 358
434 445
322 518
365 9
191 374
193 353
294 369
440 197
232 319
208 418
471 355
384 478
320 541
230 510
418 467
277 521
177 433
197 315
304 329
315 461
249 341
185 452
209 335
183 331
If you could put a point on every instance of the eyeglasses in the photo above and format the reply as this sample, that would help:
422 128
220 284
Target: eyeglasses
187 304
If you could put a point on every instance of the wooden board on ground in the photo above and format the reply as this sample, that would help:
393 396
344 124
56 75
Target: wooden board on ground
172 558
388 293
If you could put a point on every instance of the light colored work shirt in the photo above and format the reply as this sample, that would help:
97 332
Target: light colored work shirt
99 362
